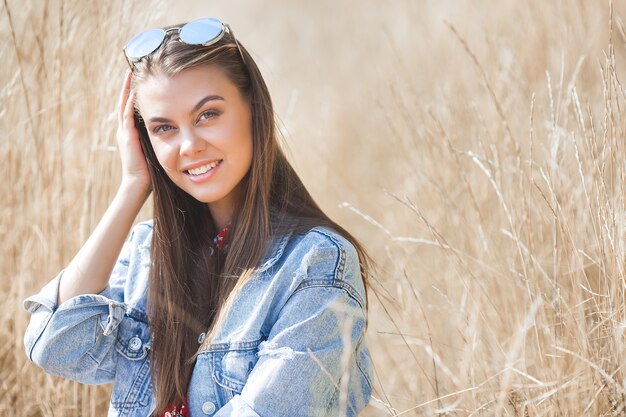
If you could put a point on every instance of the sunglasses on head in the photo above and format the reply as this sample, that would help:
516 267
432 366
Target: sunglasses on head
203 32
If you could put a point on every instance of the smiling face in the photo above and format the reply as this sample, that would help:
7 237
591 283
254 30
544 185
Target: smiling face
200 128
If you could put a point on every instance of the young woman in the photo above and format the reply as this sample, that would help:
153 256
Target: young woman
241 297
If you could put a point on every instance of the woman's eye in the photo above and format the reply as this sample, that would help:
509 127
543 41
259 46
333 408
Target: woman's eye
208 115
162 128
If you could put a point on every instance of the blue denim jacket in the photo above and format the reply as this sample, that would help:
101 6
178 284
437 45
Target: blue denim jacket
292 344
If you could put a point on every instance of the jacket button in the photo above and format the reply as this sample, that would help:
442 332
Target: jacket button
208 407
135 344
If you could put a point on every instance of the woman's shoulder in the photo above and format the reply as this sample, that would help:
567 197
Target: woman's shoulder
128 282
322 256
142 231
326 242
138 241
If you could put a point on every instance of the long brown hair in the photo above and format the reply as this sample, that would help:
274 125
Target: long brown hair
188 286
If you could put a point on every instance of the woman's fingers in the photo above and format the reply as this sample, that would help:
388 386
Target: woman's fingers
124 95
129 109
134 165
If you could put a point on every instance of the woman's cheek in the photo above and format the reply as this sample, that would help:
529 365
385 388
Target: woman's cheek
164 155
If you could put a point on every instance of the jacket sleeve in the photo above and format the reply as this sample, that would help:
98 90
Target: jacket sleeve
310 351
75 339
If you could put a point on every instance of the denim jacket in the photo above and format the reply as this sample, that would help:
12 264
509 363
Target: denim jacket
292 344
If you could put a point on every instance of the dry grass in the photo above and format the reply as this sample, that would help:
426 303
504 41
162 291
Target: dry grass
478 150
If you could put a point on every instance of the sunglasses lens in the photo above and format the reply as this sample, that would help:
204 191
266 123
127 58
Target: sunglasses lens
201 31
144 43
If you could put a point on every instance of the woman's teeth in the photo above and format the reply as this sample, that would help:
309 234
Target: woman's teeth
204 168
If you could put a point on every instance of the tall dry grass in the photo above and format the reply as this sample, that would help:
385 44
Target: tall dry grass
477 149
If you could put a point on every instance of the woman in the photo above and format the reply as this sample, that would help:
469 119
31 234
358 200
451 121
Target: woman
267 318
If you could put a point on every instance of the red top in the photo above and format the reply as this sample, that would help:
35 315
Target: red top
221 240
182 409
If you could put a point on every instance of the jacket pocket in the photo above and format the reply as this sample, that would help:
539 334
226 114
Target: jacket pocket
133 339
132 387
232 366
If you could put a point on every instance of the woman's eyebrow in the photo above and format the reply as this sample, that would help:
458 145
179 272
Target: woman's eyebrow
198 105
204 100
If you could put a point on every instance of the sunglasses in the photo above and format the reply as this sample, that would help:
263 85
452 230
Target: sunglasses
203 32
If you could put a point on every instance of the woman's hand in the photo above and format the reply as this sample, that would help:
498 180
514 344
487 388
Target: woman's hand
134 166
90 270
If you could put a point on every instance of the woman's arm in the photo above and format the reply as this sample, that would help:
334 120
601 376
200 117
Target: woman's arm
76 339
89 271
308 367
314 362
75 318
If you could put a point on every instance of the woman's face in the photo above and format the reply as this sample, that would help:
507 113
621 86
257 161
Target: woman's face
201 130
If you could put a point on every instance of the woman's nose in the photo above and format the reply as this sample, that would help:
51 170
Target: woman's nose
191 142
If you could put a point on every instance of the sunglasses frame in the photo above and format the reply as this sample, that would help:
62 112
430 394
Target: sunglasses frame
225 28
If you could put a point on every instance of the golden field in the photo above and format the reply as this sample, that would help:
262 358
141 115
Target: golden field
477 148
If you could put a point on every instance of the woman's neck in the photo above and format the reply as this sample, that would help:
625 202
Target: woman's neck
222 212
221 217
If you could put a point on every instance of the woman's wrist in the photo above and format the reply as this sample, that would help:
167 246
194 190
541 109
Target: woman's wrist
134 190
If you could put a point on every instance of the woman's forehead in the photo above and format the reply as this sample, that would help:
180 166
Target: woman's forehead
184 89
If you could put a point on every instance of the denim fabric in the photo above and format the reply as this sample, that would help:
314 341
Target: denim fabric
292 344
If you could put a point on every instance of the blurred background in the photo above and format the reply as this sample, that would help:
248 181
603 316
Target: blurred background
475 147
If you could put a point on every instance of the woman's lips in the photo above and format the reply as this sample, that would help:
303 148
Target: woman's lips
199 175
